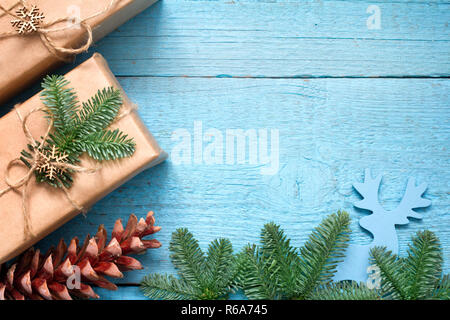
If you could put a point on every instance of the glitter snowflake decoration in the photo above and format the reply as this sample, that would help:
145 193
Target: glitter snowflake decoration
28 20
49 163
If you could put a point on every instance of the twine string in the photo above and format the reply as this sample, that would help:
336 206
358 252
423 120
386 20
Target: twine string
38 158
45 30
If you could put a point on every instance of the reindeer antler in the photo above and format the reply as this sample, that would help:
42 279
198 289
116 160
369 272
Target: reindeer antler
412 199
369 191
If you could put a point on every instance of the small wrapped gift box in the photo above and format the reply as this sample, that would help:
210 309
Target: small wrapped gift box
26 55
48 207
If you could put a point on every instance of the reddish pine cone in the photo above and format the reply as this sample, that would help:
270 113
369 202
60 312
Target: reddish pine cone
52 276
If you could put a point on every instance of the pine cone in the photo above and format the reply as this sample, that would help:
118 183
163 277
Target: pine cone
52 276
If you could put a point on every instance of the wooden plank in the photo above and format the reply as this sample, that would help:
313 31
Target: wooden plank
283 39
133 293
330 131
123 293
403 20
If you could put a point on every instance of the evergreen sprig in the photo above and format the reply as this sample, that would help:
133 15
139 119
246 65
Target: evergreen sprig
277 270
417 276
80 129
201 277
257 275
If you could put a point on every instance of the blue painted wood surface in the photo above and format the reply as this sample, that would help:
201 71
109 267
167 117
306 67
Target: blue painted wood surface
343 97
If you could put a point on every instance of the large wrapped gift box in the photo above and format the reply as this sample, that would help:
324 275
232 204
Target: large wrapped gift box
47 206
25 58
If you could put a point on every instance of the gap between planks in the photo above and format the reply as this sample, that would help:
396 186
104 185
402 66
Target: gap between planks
224 76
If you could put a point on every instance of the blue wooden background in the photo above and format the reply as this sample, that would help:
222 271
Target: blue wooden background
343 97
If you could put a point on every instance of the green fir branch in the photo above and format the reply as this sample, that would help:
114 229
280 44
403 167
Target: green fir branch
98 112
276 270
423 265
322 252
107 145
201 277
167 287
442 289
187 257
416 277
276 248
61 102
393 281
220 264
257 275
279 271
78 129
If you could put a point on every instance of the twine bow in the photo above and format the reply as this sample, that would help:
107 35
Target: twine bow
39 159
45 30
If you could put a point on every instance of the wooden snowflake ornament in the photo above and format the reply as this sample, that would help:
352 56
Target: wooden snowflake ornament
28 20
49 163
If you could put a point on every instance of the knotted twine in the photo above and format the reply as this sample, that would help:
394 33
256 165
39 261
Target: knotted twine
39 159
45 30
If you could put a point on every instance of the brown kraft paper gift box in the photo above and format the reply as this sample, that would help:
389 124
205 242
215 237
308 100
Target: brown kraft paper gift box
24 59
48 207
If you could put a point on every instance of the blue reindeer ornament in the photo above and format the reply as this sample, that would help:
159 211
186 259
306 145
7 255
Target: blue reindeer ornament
381 224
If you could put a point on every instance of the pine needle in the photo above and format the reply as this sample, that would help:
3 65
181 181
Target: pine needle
279 271
276 270
257 275
201 277
277 248
220 263
166 287
416 277
322 252
423 265
78 129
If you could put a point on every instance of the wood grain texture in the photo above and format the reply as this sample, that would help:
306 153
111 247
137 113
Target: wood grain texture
330 130
283 39
236 65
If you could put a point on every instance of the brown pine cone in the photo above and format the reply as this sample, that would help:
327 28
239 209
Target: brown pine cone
54 275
